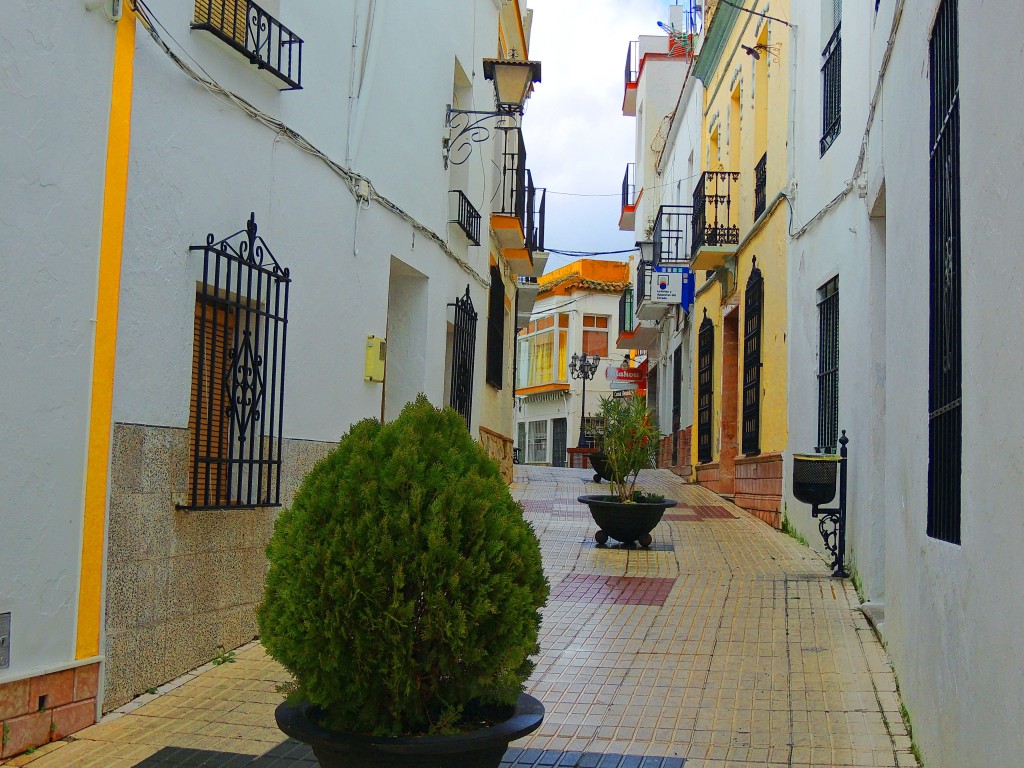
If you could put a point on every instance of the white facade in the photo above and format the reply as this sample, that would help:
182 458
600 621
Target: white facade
952 616
348 184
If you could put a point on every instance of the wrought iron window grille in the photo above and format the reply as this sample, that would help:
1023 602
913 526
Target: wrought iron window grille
255 34
238 374
496 330
712 211
945 386
463 355
831 88
705 390
465 215
672 231
752 322
828 366
760 185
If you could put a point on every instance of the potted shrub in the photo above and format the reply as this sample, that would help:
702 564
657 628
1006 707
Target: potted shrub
630 438
403 595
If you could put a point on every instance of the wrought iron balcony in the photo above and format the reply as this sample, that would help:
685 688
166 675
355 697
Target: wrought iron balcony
716 230
632 75
672 232
536 201
512 197
634 333
760 185
627 217
626 321
464 214
255 34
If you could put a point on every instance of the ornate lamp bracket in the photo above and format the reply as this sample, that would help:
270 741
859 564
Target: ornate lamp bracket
467 127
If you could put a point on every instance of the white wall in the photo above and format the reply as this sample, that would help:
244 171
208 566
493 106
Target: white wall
54 108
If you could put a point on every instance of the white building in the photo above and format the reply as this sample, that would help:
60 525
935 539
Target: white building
203 262
575 314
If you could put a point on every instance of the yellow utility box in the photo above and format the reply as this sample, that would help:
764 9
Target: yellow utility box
376 350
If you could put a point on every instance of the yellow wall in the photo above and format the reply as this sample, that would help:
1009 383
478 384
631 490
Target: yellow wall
745 115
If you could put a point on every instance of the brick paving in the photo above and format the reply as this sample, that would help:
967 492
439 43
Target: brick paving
724 645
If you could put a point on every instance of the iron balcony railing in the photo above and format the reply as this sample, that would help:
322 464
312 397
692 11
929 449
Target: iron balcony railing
626 322
831 87
632 62
465 215
760 185
512 193
254 33
672 232
713 215
643 272
629 186
536 201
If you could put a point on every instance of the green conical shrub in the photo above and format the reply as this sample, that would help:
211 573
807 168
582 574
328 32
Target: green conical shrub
404 582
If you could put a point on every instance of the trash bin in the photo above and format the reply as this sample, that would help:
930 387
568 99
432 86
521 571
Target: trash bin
814 477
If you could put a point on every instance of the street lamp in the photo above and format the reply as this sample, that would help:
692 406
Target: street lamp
512 77
583 368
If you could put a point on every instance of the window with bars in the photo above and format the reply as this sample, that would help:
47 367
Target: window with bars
944 385
705 391
752 315
677 400
537 449
496 329
828 366
238 364
831 87
463 354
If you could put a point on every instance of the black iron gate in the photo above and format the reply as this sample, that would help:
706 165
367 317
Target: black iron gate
677 398
705 366
463 352
559 438
236 416
752 362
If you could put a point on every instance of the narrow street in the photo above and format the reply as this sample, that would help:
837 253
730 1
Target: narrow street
724 644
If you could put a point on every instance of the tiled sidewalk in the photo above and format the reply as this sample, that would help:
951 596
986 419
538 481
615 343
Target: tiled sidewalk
725 644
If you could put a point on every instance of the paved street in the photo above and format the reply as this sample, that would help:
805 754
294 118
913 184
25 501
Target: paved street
725 644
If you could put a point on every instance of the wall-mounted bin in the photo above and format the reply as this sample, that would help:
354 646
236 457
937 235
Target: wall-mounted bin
814 478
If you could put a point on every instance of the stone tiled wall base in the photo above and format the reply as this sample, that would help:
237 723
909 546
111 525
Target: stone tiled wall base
759 487
499 448
180 584
682 467
708 476
38 710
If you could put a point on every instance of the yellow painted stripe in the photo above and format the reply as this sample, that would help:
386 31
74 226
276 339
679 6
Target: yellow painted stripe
115 192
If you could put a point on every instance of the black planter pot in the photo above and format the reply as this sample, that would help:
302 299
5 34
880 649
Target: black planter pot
625 522
599 462
474 749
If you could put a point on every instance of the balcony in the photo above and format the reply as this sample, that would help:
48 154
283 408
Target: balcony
716 231
672 232
760 185
463 214
526 296
632 77
508 218
256 35
633 334
630 198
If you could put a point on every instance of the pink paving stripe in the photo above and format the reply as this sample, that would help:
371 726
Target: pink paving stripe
621 590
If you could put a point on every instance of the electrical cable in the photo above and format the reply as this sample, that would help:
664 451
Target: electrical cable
757 13
359 186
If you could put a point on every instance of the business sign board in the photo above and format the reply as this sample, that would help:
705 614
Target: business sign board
633 375
672 285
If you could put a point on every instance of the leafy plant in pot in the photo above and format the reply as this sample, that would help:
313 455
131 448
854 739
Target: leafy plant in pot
630 437
403 595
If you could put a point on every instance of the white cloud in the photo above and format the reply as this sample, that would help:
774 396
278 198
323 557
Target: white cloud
577 139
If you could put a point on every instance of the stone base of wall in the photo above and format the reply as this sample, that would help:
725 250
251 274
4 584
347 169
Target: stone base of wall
181 585
499 448
759 486
38 710
709 476
681 466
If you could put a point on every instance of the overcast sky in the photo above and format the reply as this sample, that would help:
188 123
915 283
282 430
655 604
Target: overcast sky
577 139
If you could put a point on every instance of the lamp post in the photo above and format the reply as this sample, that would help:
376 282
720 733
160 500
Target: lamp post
583 368
513 77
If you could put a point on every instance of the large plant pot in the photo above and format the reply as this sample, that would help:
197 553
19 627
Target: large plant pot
483 748
625 522
599 462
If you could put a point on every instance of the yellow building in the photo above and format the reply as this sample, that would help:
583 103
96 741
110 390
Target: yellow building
740 247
